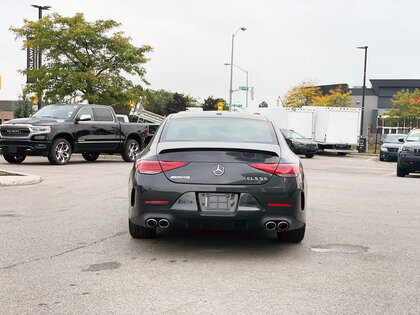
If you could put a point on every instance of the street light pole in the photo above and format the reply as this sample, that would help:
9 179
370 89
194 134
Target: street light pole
364 88
247 85
39 63
231 68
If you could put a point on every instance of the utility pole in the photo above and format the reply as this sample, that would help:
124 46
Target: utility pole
231 68
39 56
364 88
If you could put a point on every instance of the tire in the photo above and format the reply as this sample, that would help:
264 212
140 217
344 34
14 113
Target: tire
60 152
293 236
14 159
401 172
342 153
309 156
381 157
90 157
131 150
137 231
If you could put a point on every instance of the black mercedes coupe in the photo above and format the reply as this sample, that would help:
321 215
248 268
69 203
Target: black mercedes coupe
217 170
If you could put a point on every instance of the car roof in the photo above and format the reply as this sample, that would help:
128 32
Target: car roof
218 114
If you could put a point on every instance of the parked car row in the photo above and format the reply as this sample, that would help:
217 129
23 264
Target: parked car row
409 154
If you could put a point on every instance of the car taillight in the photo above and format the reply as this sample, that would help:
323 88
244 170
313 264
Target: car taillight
156 167
284 170
149 167
288 170
266 167
166 166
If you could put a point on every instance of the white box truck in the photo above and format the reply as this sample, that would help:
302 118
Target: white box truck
336 128
301 120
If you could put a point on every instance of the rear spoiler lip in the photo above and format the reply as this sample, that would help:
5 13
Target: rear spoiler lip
186 145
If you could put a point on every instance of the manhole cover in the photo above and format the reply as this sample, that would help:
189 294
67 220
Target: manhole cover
340 248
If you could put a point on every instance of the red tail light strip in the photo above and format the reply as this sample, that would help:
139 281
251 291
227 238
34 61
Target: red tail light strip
272 204
285 170
156 167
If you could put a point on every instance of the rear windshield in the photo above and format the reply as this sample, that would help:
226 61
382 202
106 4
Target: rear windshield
219 130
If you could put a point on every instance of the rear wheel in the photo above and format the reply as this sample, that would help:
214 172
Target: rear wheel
309 156
131 150
294 236
91 157
60 152
137 231
401 172
14 159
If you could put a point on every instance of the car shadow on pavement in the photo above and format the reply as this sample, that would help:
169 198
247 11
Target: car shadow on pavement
227 244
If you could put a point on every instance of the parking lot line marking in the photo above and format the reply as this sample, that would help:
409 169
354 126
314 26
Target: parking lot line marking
393 173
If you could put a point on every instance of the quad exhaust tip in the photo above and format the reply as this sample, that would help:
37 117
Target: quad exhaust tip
163 223
151 223
270 225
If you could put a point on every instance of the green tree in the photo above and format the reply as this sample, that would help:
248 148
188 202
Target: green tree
23 107
210 103
335 98
156 100
263 104
83 61
177 104
302 94
406 107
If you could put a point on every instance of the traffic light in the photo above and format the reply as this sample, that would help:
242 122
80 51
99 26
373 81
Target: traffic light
131 103
251 93
220 106
35 99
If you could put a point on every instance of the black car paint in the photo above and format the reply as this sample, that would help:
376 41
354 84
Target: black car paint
85 136
301 146
389 150
252 211
409 156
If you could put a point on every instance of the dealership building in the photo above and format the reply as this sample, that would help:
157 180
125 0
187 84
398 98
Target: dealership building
377 98
6 110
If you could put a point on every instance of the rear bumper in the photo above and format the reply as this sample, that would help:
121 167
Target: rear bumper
244 217
26 147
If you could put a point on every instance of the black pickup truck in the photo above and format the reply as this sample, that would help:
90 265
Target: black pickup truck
57 131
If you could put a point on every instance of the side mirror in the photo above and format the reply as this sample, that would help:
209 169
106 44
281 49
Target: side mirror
401 140
84 117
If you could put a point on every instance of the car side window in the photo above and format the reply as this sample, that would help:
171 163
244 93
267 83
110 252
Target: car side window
85 111
102 114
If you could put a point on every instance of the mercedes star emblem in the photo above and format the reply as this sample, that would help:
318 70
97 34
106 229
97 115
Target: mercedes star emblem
218 170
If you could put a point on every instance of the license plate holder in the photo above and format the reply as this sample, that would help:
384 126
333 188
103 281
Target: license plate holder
220 202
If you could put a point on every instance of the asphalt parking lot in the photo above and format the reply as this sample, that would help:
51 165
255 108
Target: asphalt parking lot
65 248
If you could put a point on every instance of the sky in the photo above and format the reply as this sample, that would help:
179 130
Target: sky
285 42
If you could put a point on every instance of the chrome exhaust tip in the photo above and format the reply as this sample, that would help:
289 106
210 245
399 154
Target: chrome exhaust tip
163 223
270 225
151 223
283 225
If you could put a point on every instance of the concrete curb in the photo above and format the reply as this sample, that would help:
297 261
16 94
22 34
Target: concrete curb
20 179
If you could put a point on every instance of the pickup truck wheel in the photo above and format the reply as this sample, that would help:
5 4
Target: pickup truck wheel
60 152
309 156
342 153
91 157
14 159
137 231
131 150
294 236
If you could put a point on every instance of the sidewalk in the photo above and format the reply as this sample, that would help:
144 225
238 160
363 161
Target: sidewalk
14 178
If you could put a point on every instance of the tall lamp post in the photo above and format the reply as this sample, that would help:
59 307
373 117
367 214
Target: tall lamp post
231 67
247 86
40 9
364 88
